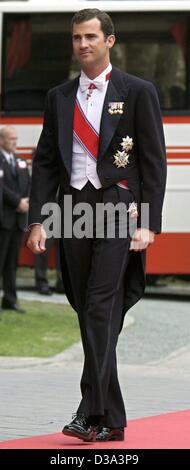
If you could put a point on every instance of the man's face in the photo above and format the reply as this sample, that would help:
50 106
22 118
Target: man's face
9 140
89 43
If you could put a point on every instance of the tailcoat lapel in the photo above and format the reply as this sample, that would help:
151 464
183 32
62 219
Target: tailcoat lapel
65 105
109 122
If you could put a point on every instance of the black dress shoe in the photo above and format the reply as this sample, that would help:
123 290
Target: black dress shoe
110 434
14 307
80 428
44 290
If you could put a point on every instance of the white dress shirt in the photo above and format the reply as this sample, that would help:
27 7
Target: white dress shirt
83 166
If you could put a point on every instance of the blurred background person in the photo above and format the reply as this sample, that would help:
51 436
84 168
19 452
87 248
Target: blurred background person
1 195
41 274
41 267
1 203
15 191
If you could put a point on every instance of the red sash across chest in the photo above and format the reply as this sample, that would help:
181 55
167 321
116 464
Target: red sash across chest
84 132
87 136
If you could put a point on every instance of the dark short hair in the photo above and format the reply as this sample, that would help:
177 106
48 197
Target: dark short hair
87 14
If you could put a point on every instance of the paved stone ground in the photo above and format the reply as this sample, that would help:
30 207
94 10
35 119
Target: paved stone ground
38 396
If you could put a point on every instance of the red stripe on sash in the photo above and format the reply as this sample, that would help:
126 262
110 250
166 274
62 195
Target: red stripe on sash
123 184
85 132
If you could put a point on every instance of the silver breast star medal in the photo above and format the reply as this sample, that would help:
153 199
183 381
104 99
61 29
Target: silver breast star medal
121 158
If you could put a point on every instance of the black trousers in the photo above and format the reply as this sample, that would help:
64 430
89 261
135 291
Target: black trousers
10 241
96 268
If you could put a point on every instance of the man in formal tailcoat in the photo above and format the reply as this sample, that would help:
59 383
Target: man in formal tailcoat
15 190
102 142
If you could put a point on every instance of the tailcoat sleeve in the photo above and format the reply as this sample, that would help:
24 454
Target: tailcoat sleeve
45 172
151 152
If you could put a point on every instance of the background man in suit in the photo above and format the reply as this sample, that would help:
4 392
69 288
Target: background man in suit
87 121
41 268
41 271
1 195
15 207
1 198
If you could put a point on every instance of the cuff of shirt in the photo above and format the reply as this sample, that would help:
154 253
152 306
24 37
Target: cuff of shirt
29 228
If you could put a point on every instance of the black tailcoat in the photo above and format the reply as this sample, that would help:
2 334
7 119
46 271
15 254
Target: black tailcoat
146 171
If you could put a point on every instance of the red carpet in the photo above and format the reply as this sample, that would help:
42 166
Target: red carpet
167 431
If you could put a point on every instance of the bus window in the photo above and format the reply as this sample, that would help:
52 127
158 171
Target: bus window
154 47
37 55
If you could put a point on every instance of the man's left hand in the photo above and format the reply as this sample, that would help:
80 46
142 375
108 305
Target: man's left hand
141 239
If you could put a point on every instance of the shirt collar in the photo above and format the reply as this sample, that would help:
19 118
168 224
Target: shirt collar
101 79
7 155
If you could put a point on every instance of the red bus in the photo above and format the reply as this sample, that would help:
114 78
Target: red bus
153 42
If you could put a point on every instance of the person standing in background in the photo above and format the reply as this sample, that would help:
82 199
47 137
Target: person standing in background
1 201
1 195
41 267
15 192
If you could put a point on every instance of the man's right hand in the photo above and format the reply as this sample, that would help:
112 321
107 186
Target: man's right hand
36 240
23 205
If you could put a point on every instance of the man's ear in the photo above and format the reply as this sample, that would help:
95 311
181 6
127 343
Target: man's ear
111 40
